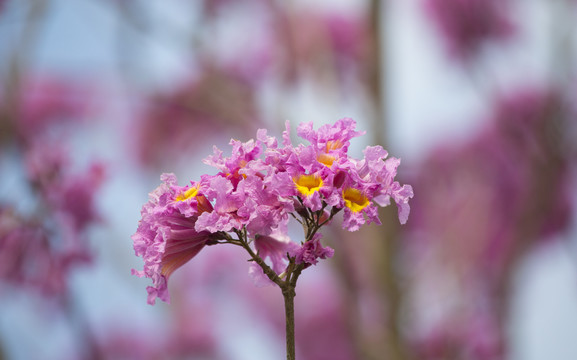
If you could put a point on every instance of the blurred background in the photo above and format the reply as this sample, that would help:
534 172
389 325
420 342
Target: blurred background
477 97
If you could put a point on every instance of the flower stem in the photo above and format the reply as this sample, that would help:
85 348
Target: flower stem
289 297
287 286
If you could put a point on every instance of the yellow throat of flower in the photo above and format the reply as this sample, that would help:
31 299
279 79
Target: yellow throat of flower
308 184
326 159
235 173
187 194
202 202
355 200
334 145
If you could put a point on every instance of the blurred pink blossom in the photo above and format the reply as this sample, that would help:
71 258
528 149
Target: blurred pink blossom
467 24
39 249
27 258
474 337
47 101
188 114
486 186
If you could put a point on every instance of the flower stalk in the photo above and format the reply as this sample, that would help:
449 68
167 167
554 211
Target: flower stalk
289 306
287 286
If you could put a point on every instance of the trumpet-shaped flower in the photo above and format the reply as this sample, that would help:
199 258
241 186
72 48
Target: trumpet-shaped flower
330 139
166 237
273 247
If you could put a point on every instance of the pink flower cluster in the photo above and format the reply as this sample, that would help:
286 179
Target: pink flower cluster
257 190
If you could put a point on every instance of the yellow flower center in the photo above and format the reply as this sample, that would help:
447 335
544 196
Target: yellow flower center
308 184
235 173
326 159
187 194
334 145
355 200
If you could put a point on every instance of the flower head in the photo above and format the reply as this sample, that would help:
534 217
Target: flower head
251 199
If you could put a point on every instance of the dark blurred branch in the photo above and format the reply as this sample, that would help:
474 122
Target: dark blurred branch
385 239
18 60
376 71
350 295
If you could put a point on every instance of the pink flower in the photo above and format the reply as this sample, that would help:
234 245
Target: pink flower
166 238
241 155
247 192
381 173
370 181
274 247
226 201
357 204
330 139
312 250
265 208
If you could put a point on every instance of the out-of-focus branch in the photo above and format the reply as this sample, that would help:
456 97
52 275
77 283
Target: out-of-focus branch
376 71
18 60
385 239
